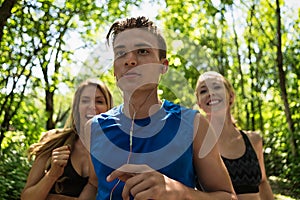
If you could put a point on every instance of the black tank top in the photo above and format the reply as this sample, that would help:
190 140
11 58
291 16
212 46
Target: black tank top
245 171
72 183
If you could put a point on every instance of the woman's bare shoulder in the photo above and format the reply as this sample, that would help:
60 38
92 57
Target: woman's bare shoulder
254 137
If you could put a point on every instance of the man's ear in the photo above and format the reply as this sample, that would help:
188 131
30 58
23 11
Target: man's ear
115 76
165 65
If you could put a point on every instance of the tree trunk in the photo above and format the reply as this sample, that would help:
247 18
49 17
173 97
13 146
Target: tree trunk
281 74
237 47
5 13
10 101
50 109
252 71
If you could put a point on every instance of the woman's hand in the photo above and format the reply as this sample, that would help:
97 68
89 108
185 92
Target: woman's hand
59 160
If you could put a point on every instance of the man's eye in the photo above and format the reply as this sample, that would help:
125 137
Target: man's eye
143 51
120 54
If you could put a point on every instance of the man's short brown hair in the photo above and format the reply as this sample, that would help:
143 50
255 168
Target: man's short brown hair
139 22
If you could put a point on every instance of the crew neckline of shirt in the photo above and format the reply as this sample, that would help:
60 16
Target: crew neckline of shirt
121 108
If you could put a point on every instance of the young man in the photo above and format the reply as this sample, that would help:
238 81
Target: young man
149 148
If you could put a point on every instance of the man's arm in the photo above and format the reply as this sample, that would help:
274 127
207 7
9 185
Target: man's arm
211 171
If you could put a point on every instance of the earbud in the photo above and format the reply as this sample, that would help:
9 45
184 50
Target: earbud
164 66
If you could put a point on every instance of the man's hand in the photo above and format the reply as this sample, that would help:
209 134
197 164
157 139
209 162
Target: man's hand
143 182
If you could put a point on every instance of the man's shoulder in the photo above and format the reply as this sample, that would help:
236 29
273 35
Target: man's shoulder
186 115
110 113
169 105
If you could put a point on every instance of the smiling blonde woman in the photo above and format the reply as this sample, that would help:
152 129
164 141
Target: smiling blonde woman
241 151
61 167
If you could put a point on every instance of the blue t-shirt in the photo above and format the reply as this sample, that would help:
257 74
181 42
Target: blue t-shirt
163 141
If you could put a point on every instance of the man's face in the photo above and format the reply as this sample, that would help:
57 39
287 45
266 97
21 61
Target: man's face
136 60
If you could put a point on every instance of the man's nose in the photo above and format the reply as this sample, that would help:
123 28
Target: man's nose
131 59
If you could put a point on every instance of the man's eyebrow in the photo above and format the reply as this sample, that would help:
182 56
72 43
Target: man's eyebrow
121 46
143 45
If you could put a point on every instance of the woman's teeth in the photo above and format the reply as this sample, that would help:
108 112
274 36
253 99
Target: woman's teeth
213 102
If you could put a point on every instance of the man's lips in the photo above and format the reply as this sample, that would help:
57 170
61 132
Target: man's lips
131 75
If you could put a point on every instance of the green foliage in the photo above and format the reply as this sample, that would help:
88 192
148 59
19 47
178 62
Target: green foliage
37 56
174 87
293 174
244 50
14 166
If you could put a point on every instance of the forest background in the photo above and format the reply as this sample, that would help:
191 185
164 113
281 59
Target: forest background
48 46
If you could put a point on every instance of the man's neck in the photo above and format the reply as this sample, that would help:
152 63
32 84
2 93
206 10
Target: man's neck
141 104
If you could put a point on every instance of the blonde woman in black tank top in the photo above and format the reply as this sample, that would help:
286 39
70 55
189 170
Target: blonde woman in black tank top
61 166
241 151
